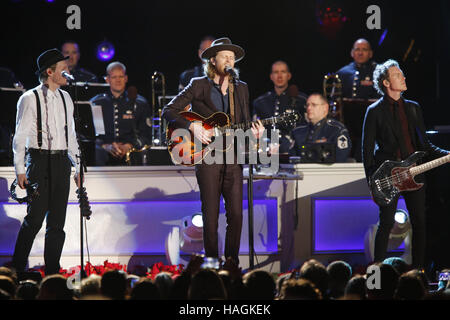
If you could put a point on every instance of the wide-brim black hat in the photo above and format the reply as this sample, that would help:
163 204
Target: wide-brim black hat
49 58
220 45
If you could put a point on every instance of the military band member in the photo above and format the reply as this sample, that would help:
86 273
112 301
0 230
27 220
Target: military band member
126 119
72 50
197 71
357 76
321 129
283 98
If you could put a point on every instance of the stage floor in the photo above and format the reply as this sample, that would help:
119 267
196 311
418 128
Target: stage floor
135 208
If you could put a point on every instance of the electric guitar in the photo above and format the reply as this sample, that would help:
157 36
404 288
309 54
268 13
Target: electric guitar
393 177
183 150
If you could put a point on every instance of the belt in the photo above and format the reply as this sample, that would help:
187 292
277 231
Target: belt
47 152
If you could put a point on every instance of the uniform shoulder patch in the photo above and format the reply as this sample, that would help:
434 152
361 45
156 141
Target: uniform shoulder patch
342 142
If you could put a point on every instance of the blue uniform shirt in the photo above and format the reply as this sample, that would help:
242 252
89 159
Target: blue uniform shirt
220 101
187 75
351 76
270 104
325 131
124 120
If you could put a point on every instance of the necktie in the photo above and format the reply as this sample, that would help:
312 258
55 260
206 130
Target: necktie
398 127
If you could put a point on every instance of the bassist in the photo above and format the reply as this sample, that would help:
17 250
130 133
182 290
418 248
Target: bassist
394 129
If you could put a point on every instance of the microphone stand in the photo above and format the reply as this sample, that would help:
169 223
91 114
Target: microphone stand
251 247
83 205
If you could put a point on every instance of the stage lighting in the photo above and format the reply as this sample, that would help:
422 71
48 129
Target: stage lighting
105 51
330 16
401 232
401 226
401 217
197 220
187 238
383 36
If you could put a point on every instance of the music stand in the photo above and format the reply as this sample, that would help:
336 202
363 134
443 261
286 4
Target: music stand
8 103
353 113
83 92
251 176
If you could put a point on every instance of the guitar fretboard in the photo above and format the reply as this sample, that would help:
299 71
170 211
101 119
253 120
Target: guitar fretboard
429 165
248 124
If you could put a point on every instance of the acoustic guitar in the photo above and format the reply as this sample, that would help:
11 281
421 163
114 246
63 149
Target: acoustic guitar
190 154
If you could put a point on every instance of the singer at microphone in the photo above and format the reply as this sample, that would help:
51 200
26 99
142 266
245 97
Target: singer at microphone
68 76
232 72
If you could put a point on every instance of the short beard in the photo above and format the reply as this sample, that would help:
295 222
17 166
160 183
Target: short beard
210 70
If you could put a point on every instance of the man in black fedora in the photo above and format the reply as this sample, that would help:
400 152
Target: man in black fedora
218 90
45 147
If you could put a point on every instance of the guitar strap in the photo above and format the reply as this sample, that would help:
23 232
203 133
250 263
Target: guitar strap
231 92
65 114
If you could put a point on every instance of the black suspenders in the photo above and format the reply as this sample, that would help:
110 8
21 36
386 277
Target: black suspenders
65 113
39 118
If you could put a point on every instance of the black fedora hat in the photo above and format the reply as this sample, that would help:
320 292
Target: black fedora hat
49 58
223 44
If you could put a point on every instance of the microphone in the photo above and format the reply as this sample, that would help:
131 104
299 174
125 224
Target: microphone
132 92
293 92
231 72
132 95
68 76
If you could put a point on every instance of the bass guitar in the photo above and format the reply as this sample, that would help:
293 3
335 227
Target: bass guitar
186 152
393 177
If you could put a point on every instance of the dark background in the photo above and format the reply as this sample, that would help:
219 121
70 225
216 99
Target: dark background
164 36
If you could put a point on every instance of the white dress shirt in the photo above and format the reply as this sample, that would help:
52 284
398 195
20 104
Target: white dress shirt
53 122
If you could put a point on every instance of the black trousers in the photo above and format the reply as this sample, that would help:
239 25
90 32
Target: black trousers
215 180
52 173
415 203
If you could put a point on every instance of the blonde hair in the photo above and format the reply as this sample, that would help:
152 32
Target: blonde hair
115 65
210 70
43 76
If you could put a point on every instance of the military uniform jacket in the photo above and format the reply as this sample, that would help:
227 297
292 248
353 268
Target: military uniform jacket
325 131
187 75
124 120
270 104
351 76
